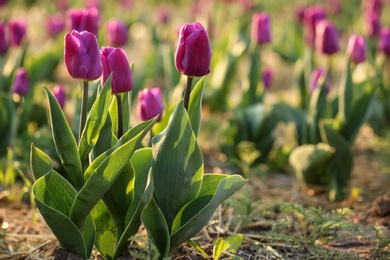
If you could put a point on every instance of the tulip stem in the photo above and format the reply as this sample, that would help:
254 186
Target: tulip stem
187 92
120 115
84 107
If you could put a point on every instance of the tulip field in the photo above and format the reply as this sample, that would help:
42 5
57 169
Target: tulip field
195 129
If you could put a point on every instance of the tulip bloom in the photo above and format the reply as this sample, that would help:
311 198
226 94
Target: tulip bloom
55 25
193 53
372 24
82 55
384 41
315 77
267 75
17 31
3 39
114 60
327 38
59 93
357 48
117 34
85 20
261 28
150 104
312 15
21 82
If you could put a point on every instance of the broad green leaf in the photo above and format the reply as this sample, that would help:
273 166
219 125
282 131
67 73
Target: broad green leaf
196 214
126 110
7 114
95 120
106 139
41 164
177 165
113 114
197 247
53 196
155 223
65 143
218 248
105 230
232 243
102 178
346 94
195 106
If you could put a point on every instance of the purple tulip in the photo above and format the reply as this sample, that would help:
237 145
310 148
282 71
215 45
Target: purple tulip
261 28
85 20
115 61
315 76
55 25
3 39
193 53
82 55
372 6
117 34
267 75
59 93
21 83
17 31
384 41
3 2
357 48
312 15
327 38
150 104
372 24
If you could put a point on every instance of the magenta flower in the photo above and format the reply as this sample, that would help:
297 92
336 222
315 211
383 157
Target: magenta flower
59 93
17 32
150 104
82 55
3 39
384 41
312 15
85 20
55 25
372 24
357 48
267 75
117 34
315 77
372 6
327 38
261 28
115 61
193 53
21 82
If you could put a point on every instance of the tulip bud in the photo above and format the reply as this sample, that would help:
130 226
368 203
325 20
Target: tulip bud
85 20
150 104
261 28
17 31
384 41
312 15
82 55
267 75
372 24
3 39
21 83
327 38
357 48
117 34
114 60
59 93
193 53
315 76
55 25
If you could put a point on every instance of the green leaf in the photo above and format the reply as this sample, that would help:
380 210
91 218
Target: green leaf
232 243
7 115
196 214
65 143
197 247
155 223
54 196
346 94
103 176
195 106
218 248
177 165
41 164
95 120
105 230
